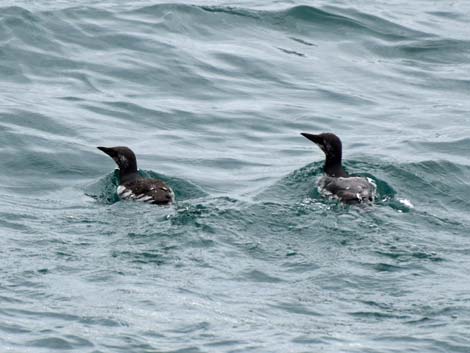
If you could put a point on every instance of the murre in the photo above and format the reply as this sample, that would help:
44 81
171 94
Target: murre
336 182
134 187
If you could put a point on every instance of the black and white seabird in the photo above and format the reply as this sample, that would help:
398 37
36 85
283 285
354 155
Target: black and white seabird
336 182
134 187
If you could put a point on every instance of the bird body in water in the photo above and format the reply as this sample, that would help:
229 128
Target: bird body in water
132 186
336 182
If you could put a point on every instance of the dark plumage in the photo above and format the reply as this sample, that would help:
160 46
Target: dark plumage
134 187
337 183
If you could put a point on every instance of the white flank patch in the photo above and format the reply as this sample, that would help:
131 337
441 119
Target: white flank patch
121 189
145 198
127 194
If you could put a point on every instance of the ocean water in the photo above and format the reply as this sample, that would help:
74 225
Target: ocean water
212 97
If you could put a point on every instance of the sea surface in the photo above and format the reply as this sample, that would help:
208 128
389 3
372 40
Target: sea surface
212 97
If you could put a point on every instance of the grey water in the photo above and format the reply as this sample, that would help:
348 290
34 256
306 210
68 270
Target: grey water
212 97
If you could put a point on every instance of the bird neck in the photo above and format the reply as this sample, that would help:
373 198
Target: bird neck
128 173
333 166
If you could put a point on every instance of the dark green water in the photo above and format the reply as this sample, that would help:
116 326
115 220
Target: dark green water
212 98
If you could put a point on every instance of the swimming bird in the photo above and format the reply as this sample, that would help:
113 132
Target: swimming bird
336 182
132 186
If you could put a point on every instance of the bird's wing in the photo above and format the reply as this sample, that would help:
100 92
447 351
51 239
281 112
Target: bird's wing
151 191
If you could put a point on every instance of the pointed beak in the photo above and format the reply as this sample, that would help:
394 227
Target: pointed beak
314 138
108 151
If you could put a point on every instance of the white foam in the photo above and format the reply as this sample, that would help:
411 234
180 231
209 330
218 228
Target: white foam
406 202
